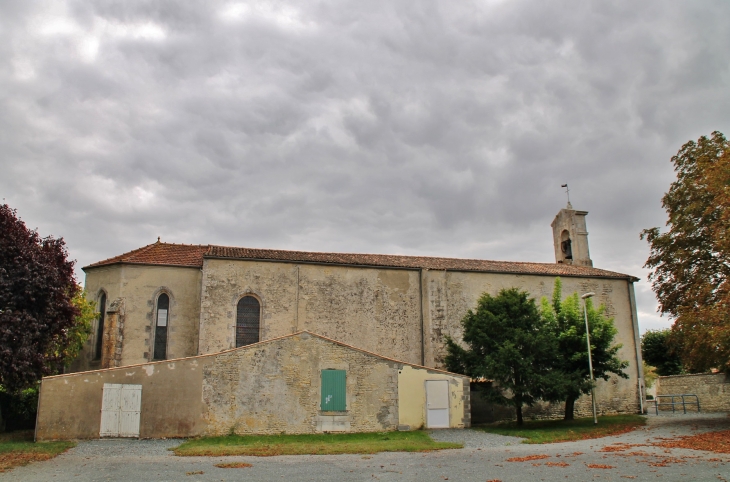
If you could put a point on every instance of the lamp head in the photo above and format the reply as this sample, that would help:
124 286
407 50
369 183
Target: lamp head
588 295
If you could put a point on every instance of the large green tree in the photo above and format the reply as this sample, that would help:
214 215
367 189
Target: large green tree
507 343
690 261
566 318
658 351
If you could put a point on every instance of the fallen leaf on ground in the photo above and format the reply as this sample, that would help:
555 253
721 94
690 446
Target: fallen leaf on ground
234 465
718 442
528 458
618 447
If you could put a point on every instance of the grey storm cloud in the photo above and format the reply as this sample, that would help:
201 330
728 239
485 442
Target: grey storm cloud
436 128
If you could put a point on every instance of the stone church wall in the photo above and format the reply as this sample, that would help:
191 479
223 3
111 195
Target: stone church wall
374 309
138 286
379 310
451 294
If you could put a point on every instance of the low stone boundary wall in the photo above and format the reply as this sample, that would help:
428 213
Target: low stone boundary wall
713 389
482 411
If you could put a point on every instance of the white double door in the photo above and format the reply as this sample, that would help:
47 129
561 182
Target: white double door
437 404
120 408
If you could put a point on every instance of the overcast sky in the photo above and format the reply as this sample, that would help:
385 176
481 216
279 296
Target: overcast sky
422 128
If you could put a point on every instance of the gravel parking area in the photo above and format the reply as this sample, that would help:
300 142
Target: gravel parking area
473 438
485 457
124 448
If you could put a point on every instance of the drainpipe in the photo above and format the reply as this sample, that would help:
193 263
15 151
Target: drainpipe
296 315
37 412
423 334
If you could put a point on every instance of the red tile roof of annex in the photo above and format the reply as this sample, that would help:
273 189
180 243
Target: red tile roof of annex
192 255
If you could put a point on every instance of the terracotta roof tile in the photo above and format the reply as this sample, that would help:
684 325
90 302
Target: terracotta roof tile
414 262
192 255
167 254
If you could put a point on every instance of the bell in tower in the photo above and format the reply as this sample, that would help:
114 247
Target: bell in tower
570 237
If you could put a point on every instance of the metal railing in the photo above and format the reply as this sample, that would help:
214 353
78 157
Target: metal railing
684 402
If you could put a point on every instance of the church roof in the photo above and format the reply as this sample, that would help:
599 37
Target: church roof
165 254
192 255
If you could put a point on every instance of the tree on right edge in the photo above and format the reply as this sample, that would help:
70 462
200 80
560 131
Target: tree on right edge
566 317
690 262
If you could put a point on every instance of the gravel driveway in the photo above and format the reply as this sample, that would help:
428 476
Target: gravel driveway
483 458
473 439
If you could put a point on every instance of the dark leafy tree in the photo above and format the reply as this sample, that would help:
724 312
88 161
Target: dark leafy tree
691 260
567 320
507 343
658 351
37 313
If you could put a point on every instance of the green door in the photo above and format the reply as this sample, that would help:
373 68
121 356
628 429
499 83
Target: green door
333 391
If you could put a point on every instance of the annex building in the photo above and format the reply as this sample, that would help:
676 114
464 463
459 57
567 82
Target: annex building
169 301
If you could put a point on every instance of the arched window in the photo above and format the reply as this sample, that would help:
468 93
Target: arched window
248 314
163 308
100 327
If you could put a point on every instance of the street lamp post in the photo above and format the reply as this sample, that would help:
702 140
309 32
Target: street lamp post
590 359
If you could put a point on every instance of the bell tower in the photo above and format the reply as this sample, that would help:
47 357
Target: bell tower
570 237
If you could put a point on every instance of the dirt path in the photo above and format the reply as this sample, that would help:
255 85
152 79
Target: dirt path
620 458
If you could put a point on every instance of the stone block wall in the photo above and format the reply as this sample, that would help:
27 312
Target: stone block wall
713 390
607 403
274 387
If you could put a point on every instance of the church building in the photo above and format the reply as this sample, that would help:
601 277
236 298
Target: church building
170 301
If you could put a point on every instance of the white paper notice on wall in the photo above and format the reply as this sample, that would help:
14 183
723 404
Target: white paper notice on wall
161 317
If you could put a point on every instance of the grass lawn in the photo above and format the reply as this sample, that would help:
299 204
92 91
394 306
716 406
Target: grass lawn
18 448
315 444
548 431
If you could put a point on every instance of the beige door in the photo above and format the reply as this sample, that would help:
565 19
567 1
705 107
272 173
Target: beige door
437 404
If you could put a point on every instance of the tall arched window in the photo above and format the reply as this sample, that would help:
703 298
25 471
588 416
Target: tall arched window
163 308
100 327
248 314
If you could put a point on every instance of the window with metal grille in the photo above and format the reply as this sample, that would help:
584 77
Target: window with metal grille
100 327
161 321
334 394
248 315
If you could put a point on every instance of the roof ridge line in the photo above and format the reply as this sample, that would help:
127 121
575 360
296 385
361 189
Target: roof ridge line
193 255
211 246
